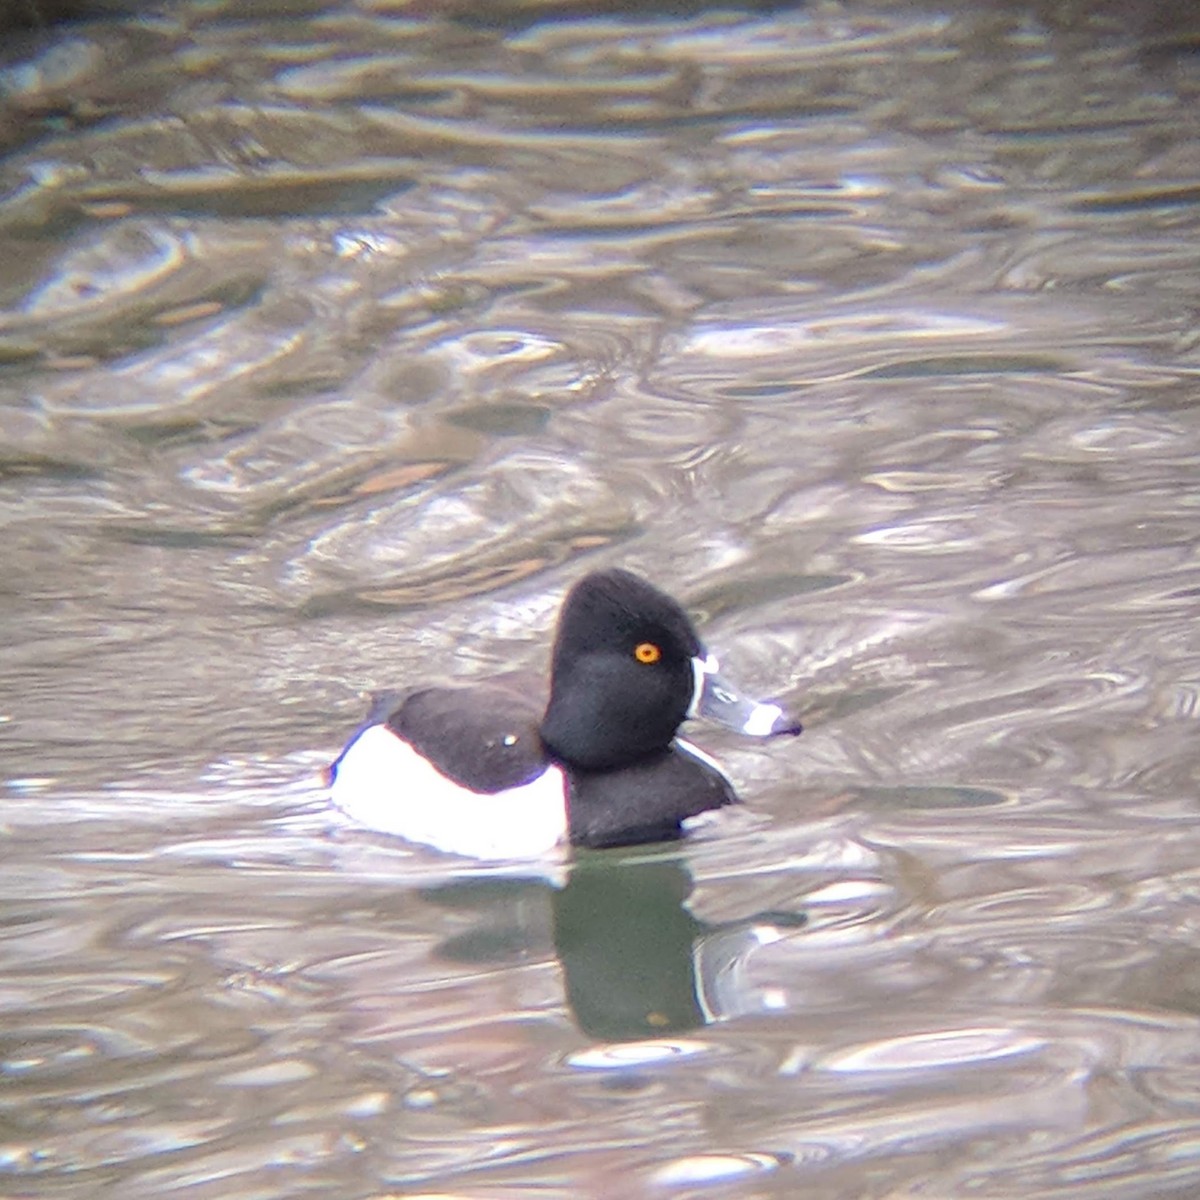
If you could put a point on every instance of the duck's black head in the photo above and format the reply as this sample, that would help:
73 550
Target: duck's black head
623 674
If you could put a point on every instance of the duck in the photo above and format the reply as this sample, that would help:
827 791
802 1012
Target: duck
483 770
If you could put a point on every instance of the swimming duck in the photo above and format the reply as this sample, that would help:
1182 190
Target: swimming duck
484 771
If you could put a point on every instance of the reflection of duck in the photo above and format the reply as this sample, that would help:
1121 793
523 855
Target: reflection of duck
483 771
625 942
636 963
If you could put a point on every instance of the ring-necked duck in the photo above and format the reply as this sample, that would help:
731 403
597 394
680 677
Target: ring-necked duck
482 770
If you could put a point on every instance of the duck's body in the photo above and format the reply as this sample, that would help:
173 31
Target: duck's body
488 772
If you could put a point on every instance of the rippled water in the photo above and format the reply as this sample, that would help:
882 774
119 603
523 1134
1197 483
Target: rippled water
337 339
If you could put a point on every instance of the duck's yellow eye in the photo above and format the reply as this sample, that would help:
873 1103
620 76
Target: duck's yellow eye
647 652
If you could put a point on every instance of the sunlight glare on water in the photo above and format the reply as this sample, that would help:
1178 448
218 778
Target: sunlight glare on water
337 339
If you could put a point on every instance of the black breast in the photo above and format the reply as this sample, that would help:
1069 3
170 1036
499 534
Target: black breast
645 802
483 738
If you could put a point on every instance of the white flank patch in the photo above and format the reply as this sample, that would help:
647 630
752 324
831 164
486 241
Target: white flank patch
384 784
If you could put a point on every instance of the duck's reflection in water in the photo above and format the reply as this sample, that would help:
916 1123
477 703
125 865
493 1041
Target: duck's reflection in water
635 961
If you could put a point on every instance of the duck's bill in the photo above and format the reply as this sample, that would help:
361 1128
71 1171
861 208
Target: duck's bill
719 701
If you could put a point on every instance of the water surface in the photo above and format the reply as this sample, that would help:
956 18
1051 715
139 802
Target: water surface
336 340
